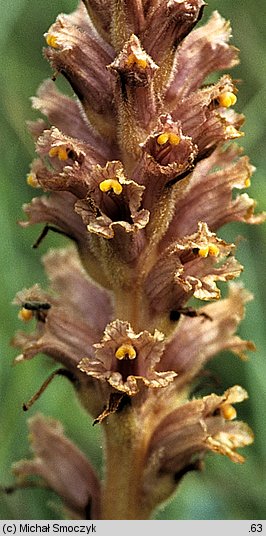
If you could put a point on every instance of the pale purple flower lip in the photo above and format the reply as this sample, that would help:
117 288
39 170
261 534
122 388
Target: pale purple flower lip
140 172
63 467
125 359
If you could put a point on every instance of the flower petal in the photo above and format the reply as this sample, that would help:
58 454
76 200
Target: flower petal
70 162
82 57
78 292
125 359
57 209
70 327
198 339
66 114
204 51
204 119
137 106
209 193
167 24
168 153
112 200
112 210
63 467
100 14
187 269
196 427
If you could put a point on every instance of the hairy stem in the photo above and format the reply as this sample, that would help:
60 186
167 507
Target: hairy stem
123 496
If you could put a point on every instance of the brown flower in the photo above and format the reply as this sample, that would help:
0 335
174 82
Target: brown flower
63 467
139 171
125 359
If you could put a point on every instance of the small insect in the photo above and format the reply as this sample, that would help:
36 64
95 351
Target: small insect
35 305
31 308
187 311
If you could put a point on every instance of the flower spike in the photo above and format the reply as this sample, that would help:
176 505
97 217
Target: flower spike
139 170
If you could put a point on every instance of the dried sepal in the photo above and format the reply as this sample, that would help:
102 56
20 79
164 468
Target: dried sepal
77 291
57 209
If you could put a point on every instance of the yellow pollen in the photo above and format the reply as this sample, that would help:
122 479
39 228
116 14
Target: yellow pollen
209 249
227 99
125 351
204 252
142 63
60 152
174 139
132 58
111 184
228 412
25 314
247 182
32 180
51 41
163 138
53 152
213 250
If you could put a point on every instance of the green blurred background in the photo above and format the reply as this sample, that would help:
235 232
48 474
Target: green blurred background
223 490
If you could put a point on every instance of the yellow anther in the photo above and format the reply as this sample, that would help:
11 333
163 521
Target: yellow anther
53 152
51 41
163 138
132 58
209 249
125 351
174 139
227 99
25 314
32 180
141 63
60 152
228 412
247 182
214 250
204 251
111 184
